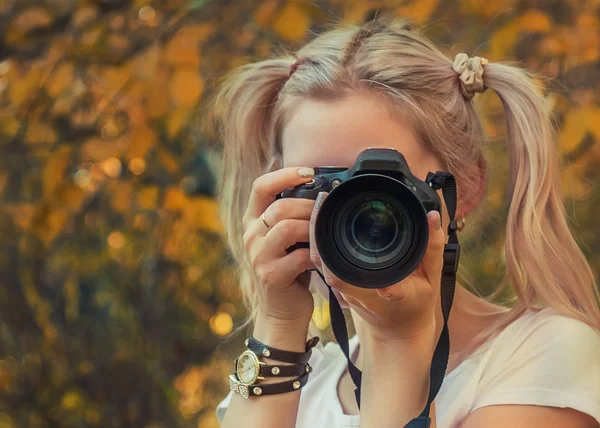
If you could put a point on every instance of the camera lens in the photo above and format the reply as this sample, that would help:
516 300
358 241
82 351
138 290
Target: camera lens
374 226
371 230
374 230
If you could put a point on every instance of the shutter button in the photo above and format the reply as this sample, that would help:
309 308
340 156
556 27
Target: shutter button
310 184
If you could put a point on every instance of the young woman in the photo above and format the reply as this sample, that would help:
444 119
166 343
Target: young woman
536 364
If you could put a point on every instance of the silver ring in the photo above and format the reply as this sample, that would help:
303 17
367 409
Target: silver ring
262 216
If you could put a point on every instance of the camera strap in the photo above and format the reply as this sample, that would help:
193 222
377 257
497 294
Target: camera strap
440 180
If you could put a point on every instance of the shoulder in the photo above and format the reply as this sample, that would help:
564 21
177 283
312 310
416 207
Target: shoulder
542 343
549 336
543 359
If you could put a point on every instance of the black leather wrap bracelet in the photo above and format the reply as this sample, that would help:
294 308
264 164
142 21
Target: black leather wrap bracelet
247 391
260 348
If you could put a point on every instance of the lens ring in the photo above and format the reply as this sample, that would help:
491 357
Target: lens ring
358 240
396 248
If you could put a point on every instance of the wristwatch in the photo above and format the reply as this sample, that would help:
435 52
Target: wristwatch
249 369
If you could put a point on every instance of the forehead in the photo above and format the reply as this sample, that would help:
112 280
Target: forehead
333 133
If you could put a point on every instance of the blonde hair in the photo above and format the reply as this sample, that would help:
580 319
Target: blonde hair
403 68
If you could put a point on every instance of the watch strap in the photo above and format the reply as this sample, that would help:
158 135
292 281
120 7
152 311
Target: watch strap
260 348
266 389
284 371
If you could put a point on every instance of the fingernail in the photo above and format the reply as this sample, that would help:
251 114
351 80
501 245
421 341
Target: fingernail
438 220
306 172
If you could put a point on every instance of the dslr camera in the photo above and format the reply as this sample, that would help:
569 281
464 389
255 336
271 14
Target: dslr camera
371 230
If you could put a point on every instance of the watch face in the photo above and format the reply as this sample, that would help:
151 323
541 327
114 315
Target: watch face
247 368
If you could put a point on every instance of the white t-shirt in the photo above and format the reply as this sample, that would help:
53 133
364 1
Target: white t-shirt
543 359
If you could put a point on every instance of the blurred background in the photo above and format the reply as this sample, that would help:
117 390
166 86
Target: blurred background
117 293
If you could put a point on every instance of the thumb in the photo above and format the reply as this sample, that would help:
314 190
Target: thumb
433 259
315 258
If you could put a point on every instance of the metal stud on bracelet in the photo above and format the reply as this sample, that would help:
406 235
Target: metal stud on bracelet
246 391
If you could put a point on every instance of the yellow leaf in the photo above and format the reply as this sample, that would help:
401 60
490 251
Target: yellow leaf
141 139
486 8
32 18
157 101
60 80
264 13
97 149
203 213
354 12
183 48
62 105
578 122
177 120
147 197
72 400
116 77
321 316
49 222
21 214
39 133
117 43
90 37
23 87
84 15
420 12
503 40
175 199
168 161
291 22
146 63
70 197
9 125
54 170
535 20
121 194
185 87
495 198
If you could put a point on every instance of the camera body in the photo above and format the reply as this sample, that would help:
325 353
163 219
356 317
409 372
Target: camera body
371 230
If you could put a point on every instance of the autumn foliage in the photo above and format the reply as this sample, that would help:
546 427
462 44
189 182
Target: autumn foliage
115 285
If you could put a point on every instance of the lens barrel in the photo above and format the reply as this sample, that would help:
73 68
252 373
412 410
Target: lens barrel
372 231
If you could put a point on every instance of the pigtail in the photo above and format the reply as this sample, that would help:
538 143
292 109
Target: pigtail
544 263
241 116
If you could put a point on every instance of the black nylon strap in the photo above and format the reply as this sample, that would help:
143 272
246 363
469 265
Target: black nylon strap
439 363
446 182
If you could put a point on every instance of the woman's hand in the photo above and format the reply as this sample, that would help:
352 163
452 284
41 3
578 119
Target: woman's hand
270 227
405 310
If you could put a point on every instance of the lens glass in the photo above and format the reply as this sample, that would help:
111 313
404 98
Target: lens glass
375 231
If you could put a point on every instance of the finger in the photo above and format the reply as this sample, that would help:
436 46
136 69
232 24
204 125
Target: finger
314 253
330 278
433 260
338 284
287 208
266 187
284 234
282 272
